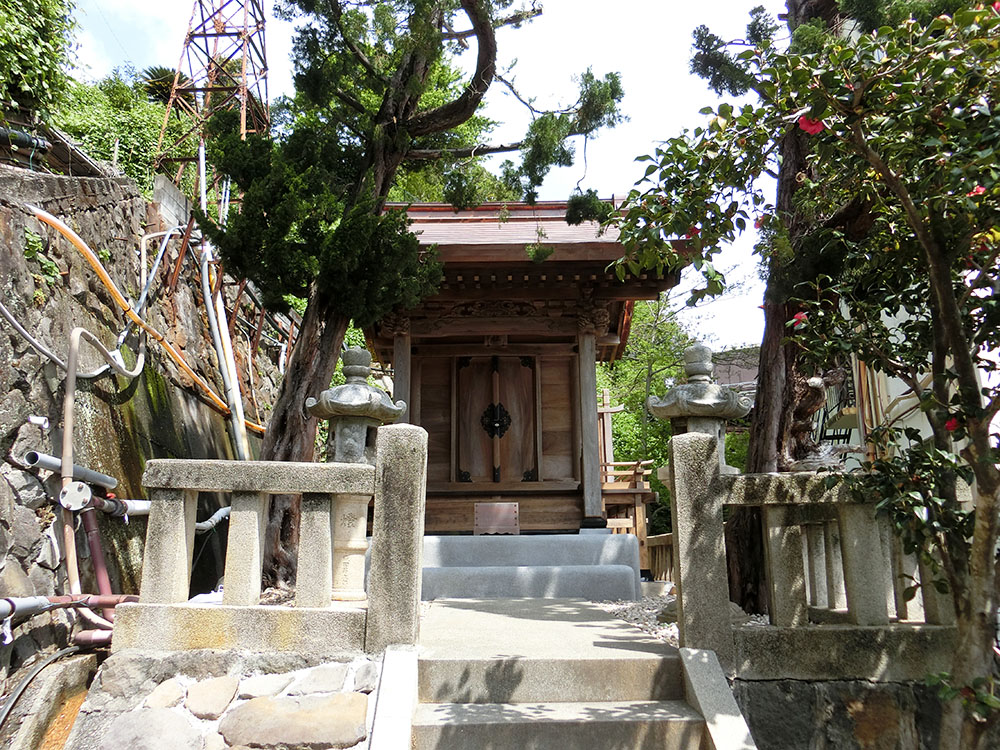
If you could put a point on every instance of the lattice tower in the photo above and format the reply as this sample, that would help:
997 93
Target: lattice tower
223 65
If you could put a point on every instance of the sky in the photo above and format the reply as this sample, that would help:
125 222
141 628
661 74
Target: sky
647 41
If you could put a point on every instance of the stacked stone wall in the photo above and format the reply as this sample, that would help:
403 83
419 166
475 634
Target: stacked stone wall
120 424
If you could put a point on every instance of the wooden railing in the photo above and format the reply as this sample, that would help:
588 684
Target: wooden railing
661 556
625 492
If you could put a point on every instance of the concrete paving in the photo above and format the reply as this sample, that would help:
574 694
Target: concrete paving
541 673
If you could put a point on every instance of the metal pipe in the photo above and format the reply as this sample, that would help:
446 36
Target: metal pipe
20 139
29 606
89 516
37 459
118 508
93 638
216 311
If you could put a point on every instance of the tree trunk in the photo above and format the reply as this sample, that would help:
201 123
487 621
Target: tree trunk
776 373
291 431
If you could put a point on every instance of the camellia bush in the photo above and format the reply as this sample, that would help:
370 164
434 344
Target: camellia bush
900 196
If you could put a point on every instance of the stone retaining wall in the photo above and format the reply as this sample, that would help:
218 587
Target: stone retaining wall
119 425
213 700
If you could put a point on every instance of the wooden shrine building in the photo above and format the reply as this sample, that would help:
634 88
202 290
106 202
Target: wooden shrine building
499 365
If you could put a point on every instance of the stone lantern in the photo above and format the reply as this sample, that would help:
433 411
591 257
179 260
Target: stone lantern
701 405
355 410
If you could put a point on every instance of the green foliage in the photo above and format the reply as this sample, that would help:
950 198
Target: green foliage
546 143
897 214
34 247
116 111
725 73
35 45
587 206
654 353
737 445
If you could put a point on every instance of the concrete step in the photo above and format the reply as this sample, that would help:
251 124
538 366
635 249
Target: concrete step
631 677
550 566
594 582
627 725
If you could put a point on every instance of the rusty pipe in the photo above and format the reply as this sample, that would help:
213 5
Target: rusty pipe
90 526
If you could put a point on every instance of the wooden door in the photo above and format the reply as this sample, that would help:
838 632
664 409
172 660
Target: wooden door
496 419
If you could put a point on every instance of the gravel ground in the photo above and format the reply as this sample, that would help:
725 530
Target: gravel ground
643 613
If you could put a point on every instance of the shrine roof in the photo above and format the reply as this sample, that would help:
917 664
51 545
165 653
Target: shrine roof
500 231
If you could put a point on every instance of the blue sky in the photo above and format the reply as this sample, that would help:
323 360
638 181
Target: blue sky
647 41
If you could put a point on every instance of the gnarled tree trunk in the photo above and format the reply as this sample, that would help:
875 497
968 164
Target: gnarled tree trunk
291 431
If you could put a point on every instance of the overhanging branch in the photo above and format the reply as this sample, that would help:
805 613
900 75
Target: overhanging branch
461 109
512 20
428 154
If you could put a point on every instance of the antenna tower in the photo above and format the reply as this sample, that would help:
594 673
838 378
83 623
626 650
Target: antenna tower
223 66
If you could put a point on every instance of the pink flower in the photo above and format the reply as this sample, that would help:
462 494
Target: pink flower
951 425
812 127
978 189
761 219
692 232
996 6
799 319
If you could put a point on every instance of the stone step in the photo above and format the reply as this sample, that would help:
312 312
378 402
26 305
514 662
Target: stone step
626 725
631 677
593 582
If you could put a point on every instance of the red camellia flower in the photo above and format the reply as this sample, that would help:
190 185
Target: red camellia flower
799 319
761 219
978 189
996 6
952 424
812 127
692 233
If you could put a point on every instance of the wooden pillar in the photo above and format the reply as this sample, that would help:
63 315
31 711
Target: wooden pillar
591 464
401 372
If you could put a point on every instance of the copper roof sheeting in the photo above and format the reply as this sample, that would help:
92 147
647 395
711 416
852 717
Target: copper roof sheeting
508 225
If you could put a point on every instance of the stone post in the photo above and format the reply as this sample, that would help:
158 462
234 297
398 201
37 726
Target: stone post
245 551
166 569
333 529
864 565
396 572
697 411
699 545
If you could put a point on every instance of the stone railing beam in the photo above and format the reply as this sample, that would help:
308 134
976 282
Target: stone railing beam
269 477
